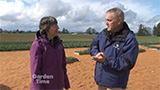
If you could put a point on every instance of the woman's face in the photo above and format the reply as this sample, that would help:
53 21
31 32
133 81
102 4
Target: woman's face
53 31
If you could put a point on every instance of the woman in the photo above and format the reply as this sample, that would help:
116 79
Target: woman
48 61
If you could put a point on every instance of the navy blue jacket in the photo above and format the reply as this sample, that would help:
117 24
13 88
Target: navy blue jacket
121 52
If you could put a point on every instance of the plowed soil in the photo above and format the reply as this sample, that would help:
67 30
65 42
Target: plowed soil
15 71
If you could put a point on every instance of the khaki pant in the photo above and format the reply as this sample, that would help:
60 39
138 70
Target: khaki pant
106 88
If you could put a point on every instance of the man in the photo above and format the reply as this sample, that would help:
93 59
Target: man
115 51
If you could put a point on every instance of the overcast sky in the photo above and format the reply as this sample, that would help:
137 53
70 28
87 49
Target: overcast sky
76 15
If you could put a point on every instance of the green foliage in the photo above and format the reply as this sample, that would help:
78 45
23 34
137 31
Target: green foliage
78 37
156 30
76 44
23 41
65 31
150 46
17 34
13 47
25 45
141 50
144 31
71 60
83 52
87 51
91 31
146 40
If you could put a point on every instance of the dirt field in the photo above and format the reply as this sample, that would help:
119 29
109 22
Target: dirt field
15 71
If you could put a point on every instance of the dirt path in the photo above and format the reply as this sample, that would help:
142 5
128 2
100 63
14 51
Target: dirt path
146 73
15 71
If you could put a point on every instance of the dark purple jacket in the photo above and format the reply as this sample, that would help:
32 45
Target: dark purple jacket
48 65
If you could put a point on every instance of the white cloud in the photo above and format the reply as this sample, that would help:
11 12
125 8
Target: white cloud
75 15
30 2
16 16
10 7
10 12
152 21
55 8
143 11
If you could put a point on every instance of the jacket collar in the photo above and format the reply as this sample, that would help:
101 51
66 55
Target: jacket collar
41 38
119 35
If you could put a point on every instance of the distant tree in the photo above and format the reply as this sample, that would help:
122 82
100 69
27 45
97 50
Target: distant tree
94 31
144 31
17 31
140 30
91 31
156 30
5 31
65 31
1 30
59 31
148 31
29 31
21 31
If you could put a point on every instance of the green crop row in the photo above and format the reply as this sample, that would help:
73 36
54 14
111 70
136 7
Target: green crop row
87 51
8 45
141 50
15 42
71 60
149 46
76 44
25 45
148 42
83 52
13 47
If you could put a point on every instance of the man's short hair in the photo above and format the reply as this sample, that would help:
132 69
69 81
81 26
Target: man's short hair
117 13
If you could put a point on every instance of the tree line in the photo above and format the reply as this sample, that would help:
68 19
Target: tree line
142 31
146 31
64 31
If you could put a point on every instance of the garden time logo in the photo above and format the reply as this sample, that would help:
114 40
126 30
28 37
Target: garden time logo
42 79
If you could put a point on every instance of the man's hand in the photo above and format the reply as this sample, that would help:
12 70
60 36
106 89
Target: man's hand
100 57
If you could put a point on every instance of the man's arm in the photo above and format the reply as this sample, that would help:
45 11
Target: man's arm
94 48
127 59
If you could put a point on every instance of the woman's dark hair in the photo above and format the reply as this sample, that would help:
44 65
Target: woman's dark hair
46 23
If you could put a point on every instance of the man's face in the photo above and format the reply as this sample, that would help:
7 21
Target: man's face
112 22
